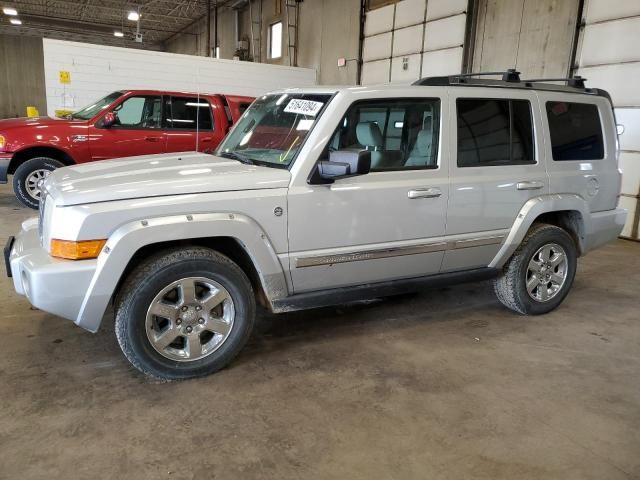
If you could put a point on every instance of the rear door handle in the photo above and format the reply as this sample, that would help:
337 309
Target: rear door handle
424 193
534 185
206 140
153 139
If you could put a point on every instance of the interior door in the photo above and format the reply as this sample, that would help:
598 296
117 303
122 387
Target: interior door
190 125
137 130
384 225
499 165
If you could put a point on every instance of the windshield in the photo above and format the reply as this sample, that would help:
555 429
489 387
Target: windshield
273 129
88 112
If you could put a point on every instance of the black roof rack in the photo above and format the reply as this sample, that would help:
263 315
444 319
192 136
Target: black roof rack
511 79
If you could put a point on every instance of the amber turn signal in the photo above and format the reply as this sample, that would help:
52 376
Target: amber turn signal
81 250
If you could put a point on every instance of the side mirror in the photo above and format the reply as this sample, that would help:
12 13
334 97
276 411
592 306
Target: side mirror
109 119
342 164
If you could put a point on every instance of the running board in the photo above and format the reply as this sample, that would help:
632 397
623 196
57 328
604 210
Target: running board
340 296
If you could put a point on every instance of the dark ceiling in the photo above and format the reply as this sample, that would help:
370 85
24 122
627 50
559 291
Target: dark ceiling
95 21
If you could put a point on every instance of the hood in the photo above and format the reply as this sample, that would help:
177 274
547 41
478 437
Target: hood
12 123
158 175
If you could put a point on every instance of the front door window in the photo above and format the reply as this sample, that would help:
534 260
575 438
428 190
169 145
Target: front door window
139 112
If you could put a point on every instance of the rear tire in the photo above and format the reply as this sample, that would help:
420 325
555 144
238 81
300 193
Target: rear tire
540 273
27 176
166 322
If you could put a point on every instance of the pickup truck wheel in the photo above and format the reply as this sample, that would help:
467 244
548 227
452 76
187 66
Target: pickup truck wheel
184 313
27 176
540 273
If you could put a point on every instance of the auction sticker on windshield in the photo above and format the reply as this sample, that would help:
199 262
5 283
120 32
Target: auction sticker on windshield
303 107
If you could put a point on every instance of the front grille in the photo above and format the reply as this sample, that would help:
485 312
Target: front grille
41 208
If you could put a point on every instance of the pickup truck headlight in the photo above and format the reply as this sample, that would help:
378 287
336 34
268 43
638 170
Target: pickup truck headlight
3 141
72 250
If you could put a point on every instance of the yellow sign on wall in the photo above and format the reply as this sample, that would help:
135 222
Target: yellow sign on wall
65 77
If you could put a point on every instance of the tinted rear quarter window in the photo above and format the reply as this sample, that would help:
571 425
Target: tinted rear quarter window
576 131
494 132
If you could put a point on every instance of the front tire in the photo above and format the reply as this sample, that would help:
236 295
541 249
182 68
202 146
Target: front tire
27 176
184 313
540 273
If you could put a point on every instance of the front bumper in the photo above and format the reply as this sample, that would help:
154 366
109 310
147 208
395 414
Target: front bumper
53 285
5 160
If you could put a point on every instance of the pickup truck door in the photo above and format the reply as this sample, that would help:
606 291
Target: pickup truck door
137 130
498 165
384 225
192 123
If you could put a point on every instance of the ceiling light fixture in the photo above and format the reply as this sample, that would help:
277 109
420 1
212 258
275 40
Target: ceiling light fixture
133 16
118 34
16 21
10 11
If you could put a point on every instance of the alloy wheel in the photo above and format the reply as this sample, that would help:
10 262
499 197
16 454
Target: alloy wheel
547 272
190 319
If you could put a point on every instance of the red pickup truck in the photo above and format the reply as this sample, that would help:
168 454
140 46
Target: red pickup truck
122 124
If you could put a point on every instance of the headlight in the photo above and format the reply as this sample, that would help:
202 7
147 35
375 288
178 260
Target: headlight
3 141
80 250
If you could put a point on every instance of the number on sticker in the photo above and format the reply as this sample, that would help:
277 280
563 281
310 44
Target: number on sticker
303 107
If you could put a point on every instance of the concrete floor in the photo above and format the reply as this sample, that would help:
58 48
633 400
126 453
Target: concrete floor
442 385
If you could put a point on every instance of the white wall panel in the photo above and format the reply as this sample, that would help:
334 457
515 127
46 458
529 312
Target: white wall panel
399 75
630 118
407 40
630 166
377 47
610 59
608 42
444 8
97 70
599 10
445 33
442 62
617 80
409 12
379 20
375 72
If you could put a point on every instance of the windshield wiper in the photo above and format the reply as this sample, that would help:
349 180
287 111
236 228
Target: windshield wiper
237 156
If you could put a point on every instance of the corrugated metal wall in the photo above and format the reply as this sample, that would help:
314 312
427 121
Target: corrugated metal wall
413 39
21 75
98 70
609 57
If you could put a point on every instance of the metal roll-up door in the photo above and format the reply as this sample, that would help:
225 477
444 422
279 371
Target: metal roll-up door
412 39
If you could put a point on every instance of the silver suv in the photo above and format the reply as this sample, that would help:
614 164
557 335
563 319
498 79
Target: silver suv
323 196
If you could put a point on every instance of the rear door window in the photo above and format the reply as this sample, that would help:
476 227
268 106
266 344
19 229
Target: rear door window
189 113
576 131
494 132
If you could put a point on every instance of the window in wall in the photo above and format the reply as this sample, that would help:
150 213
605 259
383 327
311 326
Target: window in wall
494 132
402 134
189 113
139 112
275 40
576 131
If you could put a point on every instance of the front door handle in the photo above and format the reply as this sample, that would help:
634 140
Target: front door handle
424 193
153 139
534 185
